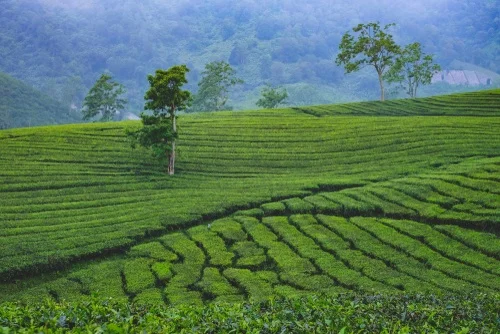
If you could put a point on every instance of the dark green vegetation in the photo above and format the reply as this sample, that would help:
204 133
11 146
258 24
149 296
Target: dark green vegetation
371 46
275 202
412 69
287 43
23 106
104 99
217 80
272 97
344 314
165 98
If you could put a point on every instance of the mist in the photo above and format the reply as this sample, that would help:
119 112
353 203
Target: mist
49 43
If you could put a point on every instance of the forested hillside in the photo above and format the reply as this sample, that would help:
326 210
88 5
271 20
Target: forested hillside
22 106
62 47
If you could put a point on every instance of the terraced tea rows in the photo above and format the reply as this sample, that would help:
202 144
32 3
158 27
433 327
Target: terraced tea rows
240 257
485 104
350 203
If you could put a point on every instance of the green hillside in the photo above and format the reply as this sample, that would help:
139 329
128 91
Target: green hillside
56 45
392 197
23 106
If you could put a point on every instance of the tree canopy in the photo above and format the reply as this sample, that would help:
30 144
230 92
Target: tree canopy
104 99
412 69
272 97
372 45
164 98
213 88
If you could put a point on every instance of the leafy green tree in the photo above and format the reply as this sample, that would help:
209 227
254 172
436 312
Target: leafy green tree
272 97
103 99
412 69
164 98
213 89
371 46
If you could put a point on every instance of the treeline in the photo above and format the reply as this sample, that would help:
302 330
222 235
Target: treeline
279 42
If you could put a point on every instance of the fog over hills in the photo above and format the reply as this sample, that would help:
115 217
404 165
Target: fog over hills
24 106
61 47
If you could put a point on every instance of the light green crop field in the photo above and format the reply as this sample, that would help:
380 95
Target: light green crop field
401 196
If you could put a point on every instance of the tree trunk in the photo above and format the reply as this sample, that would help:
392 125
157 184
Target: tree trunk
171 160
171 156
381 82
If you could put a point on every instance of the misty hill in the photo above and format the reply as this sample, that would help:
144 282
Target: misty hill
55 45
22 106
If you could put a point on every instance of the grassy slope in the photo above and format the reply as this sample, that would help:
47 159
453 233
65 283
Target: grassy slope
78 191
21 105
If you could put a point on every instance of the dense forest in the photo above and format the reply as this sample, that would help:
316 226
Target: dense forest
62 47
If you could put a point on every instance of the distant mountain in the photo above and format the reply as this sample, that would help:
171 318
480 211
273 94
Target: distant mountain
22 106
62 47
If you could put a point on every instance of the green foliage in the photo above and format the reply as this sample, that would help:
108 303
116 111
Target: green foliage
412 69
257 212
485 242
103 279
74 195
273 208
103 99
229 229
187 248
149 297
138 275
247 248
272 97
213 88
250 254
153 250
164 98
165 95
215 284
162 270
213 245
450 105
323 204
349 313
69 39
373 46
447 246
298 205
257 288
433 259
157 133
23 106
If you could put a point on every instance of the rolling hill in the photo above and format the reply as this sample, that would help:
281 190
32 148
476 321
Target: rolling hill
395 197
23 106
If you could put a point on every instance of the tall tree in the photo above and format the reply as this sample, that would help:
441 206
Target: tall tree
213 89
371 46
164 98
272 97
104 99
412 69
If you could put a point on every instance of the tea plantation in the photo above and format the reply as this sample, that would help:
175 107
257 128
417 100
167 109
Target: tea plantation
400 198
